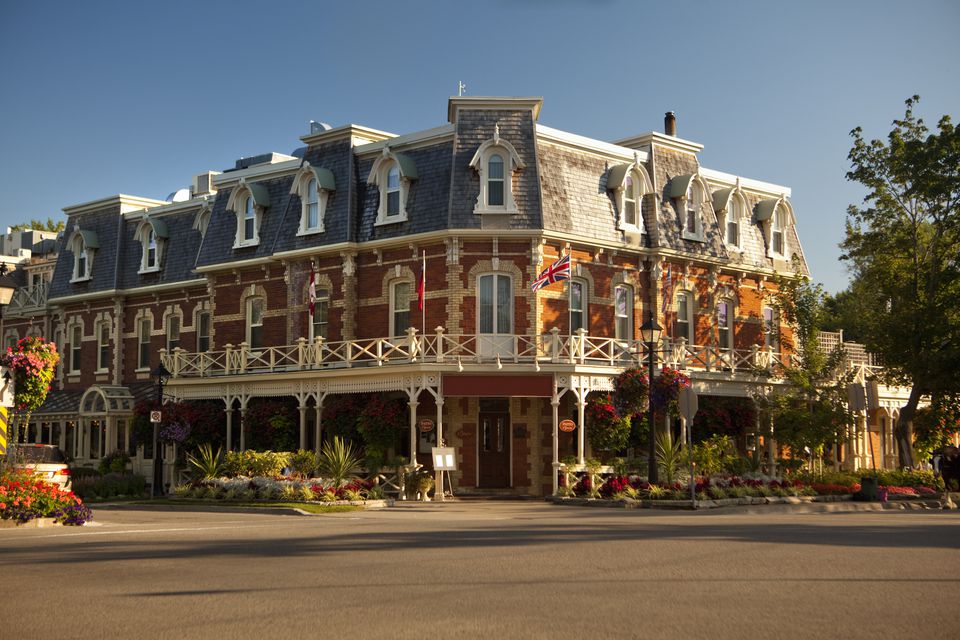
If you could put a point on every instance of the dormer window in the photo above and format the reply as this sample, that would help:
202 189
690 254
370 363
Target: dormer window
732 231
152 234
775 215
313 185
83 244
688 193
728 203
393 174
248 201
496 160
629 183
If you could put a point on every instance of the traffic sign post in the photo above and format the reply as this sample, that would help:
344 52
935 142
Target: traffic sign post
689 405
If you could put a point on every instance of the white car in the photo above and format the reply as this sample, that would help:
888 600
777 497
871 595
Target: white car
45 461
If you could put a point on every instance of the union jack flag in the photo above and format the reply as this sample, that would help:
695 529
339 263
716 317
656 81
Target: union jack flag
559 270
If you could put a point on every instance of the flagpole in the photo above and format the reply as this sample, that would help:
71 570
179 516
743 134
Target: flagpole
423 306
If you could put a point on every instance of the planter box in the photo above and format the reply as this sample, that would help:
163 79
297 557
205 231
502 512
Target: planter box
36 523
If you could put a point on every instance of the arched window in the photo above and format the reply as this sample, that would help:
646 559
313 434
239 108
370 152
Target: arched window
683 324
629 201
103 345
393 192
725 324
732 231
629 183
152 235
399 308
777 227
691 223
248 201
392 173
496 160
313 185
321 311
83 244
623 311
578 306
771 329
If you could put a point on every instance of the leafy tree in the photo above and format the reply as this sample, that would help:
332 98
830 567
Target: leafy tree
812 411
39 225
903 245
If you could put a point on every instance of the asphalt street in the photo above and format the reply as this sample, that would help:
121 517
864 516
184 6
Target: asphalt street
484 570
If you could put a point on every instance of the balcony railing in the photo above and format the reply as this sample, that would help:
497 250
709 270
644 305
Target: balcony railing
464 350
29 297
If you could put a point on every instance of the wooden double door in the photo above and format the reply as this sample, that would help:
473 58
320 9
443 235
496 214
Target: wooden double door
493 443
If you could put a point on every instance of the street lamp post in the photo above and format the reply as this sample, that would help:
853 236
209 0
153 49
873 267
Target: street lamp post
650 331
162 375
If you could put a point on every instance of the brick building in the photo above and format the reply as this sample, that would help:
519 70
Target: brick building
217 286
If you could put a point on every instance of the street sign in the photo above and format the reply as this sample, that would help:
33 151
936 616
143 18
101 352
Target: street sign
156 416
567 426
6 387
689 404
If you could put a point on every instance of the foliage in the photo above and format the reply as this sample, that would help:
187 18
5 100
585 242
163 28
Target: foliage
718 415
174 432
339 461
39 225
24 497
206 464
811 412
936 426
606 430
669 455
713 455
631 390
110 485
203 417
303 463
114 462
902 245
272 425
665 392
32 363
340 416
254 463
379 423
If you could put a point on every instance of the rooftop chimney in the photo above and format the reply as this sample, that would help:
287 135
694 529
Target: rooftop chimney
670 124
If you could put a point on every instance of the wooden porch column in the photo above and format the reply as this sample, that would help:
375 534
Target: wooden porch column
229 412
555 464
581 405
318 428
413 431
303 425
243 427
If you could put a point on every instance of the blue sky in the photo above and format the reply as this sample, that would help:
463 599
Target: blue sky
128 97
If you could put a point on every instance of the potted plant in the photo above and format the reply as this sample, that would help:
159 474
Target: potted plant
424 484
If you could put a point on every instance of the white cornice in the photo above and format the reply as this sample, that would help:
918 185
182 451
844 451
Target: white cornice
584 143
154 288
236 264
671 142
748 184
125 202
418 138
349 131
173 207
493 103
259 171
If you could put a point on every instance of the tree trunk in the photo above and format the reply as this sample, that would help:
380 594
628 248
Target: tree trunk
905 428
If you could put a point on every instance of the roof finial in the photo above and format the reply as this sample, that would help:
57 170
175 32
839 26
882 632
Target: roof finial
461 88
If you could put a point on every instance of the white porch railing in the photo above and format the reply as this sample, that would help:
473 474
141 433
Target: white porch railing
29 297
441 348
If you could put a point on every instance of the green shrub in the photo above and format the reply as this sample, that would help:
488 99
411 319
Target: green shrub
114 462
303 463
717 493
255 463
111 485
206 464
338 461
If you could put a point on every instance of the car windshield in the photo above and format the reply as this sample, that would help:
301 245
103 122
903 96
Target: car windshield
38 454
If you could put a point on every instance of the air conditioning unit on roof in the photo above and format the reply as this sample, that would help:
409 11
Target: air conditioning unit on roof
203 183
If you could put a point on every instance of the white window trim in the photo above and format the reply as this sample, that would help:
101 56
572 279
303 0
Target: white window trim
249 315
144 231
78 247
99 331
300 187
496 306
771 334
378 177
731 321
140 320
393 307
327 299
736 205
511 164
74 369
167 327
630 312
237 204
199 310
584 301
693 199
691 321
783 206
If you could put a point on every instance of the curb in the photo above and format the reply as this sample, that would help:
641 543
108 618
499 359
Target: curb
806 504
226 508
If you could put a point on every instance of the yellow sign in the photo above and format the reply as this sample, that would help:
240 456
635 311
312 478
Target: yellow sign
3 430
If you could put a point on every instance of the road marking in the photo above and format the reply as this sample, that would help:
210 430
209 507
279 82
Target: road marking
168 530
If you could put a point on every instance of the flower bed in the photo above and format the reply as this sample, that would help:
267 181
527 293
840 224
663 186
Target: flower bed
248 489
24 498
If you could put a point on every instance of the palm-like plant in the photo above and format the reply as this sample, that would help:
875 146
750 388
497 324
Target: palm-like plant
206 464
669 454
338 460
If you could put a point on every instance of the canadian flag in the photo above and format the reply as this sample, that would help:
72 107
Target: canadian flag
313 292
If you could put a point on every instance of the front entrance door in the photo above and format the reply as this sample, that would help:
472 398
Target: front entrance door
493 442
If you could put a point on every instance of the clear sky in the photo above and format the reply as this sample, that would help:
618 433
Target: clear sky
100 98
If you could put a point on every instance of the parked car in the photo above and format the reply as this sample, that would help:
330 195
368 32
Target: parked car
43 460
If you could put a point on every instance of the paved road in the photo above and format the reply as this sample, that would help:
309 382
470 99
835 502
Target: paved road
484 569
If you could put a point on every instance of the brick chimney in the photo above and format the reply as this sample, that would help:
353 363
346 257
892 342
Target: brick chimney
670 124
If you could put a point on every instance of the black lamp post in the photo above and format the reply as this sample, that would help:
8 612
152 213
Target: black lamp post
650 331
162 375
